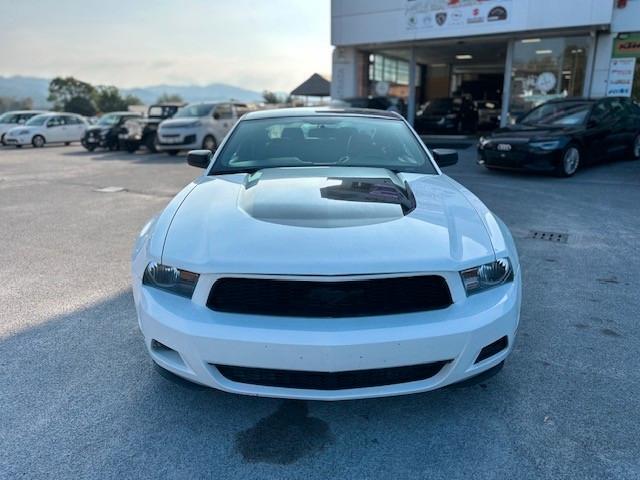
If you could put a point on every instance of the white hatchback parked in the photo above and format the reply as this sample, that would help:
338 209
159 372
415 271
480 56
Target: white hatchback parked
48 128
198 125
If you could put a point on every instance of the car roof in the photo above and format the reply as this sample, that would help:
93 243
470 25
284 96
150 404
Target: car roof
319 111
26 111
123 112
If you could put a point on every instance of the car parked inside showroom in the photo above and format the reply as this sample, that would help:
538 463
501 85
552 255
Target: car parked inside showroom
143 132
48 128
104 133
456 115
563 135
324 255
198 125
9 120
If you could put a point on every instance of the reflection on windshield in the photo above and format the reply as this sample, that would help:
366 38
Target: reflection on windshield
322 141
108 120
200 110
558 114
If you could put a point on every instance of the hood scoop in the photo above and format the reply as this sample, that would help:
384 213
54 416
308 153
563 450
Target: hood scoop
326 197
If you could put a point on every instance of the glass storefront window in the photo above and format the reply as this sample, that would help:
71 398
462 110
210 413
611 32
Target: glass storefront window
547 68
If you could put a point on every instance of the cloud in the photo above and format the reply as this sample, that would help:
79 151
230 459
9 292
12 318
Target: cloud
254 44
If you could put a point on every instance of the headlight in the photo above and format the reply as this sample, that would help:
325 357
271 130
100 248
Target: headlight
483 141
23 132
546 145
197 123
451 116
487 276
170 279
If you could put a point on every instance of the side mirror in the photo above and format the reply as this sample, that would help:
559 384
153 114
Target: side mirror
199 158
216 116
445 157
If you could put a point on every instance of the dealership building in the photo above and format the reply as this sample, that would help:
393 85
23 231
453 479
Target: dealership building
516 53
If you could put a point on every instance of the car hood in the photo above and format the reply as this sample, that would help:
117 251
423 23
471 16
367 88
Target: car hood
324 221
179 122
526 132
14 130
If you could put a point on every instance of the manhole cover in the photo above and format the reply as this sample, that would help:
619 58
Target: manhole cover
549 236
109 190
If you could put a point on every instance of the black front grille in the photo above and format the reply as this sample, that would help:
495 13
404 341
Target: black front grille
354 298
330 381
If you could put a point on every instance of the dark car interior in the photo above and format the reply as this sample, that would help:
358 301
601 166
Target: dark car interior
329 141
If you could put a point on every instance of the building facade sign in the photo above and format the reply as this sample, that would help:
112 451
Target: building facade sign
438 15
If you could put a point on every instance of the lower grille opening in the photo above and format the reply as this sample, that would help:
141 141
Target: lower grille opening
167 354
331 380
333 299
492 349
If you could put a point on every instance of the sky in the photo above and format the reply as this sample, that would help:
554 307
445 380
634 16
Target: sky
256 44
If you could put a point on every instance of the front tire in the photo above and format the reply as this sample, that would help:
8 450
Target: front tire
570 161
2 140
150 143
38 141
209 143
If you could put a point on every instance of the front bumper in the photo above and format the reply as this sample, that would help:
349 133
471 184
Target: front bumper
178 140
199 338
17 140
520 159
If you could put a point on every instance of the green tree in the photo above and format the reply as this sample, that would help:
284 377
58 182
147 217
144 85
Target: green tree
63 90
80 105
270 97
169 98
109 99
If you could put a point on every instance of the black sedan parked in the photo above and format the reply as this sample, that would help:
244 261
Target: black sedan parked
453 115
104 133
562 135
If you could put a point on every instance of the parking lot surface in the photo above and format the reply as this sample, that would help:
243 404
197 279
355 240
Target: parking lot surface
80 397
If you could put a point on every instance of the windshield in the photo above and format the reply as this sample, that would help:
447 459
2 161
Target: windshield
9 118
561 113
109 119
196 110
322 140
38 120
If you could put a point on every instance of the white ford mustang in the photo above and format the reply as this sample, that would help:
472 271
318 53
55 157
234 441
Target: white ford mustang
323 255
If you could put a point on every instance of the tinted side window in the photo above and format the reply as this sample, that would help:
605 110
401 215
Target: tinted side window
224 111
599 112
55 122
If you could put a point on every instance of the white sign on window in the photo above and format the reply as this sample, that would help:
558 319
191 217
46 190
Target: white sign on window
620 81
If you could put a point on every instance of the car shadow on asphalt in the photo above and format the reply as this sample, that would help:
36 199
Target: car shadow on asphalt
84 387
135 157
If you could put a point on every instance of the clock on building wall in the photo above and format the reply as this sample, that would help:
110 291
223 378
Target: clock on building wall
546 82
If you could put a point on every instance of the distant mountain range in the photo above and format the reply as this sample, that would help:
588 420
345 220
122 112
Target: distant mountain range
37 89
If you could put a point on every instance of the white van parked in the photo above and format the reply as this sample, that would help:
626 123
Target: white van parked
198 125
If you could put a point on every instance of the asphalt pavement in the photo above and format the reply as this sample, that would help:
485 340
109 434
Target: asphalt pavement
80 397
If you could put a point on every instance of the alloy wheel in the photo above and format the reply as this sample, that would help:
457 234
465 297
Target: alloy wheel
209 143
38 141
571 160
